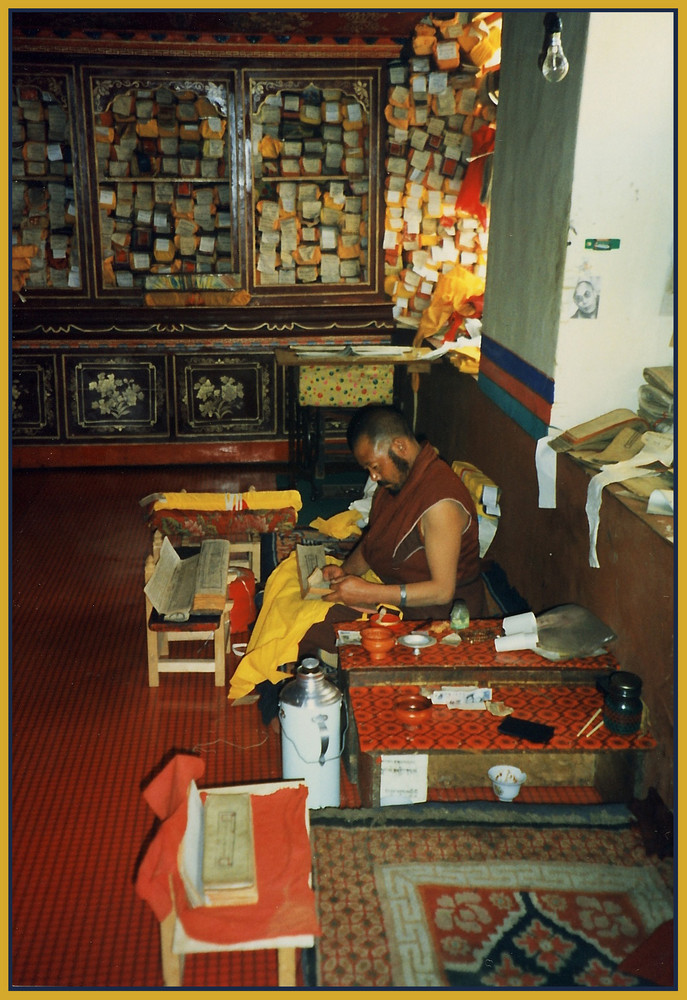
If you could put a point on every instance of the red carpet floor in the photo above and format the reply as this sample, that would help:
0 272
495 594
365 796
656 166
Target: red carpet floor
87 731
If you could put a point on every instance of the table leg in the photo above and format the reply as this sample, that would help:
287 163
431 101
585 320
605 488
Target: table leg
286 963
294 426
220 642
172 965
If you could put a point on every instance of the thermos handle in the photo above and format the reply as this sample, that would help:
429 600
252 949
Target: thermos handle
321 721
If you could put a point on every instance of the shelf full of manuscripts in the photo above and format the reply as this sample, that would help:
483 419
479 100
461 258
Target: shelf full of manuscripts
314 154
46 218
163 152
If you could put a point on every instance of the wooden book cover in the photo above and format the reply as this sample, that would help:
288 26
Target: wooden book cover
229 869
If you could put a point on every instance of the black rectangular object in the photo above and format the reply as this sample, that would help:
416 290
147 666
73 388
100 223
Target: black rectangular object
535 732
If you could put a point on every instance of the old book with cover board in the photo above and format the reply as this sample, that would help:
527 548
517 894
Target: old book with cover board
180 587
598 431
229 850
217 854
311 562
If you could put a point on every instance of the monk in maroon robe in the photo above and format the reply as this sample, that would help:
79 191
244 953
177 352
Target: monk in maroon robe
422 538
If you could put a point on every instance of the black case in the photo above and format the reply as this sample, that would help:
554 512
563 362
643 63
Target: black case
535 732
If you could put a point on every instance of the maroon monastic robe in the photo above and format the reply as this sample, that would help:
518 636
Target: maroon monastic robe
392 543
393 548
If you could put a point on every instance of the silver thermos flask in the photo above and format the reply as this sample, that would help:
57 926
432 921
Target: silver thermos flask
310 717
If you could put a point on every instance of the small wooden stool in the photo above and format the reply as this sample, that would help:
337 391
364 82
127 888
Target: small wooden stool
175 943
245 552
199 628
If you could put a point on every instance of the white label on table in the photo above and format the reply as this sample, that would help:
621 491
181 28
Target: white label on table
403 779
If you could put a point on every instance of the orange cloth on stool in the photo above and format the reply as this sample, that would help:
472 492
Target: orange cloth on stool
286 901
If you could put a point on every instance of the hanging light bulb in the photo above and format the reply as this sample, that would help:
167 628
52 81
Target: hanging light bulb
552 60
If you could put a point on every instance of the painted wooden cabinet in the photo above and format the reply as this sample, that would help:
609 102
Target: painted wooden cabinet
206 187
173 221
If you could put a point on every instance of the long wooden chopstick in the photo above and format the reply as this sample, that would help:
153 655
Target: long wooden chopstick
589 722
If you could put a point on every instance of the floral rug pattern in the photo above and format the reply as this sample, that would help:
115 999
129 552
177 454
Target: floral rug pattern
483 907
570 926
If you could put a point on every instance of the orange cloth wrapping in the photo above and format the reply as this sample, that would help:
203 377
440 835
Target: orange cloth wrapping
424 45
269 147
469 196
286 901
22 254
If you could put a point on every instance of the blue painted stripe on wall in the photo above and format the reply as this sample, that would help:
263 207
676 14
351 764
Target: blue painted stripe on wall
522 370
532 425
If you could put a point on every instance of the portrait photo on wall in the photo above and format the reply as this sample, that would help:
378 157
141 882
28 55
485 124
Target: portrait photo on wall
586 298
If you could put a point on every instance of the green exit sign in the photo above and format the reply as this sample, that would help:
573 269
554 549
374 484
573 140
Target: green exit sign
601 244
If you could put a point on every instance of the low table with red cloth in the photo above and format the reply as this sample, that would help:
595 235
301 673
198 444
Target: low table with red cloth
473 658
461 745
285 915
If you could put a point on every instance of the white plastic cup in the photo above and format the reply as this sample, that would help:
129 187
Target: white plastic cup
522 640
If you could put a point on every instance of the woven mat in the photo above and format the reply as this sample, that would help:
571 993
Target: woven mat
464 900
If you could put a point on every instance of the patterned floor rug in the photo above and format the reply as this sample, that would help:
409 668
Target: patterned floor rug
483 905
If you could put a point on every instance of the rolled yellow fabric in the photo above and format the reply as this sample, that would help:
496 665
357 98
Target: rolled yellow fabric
253 499
272 499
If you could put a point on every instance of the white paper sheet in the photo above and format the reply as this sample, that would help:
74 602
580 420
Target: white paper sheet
657 448
661 502
519 640
545 460
403 779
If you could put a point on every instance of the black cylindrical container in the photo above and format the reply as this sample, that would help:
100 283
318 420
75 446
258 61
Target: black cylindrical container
622 712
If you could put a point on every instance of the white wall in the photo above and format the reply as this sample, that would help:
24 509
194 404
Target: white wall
623 189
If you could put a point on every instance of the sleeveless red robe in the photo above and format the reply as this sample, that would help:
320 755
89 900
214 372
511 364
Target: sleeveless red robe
392 543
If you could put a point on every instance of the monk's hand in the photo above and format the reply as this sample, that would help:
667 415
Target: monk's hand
351 591
332 572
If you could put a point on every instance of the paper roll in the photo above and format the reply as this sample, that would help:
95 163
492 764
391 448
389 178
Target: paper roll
522 640
520 623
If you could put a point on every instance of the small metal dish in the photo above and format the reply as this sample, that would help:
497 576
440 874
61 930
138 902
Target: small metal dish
417 640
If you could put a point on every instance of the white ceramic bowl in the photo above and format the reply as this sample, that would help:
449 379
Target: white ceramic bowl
506 781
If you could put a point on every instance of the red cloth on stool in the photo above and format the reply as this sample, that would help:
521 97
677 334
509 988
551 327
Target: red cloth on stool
286 901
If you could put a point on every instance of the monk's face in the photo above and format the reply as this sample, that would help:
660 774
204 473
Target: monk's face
385 463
